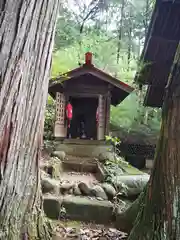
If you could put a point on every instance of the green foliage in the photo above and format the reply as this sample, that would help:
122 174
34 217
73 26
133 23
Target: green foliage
113 140
117 166
49 119
67 30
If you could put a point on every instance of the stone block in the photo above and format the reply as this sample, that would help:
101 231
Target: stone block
52 206
88 210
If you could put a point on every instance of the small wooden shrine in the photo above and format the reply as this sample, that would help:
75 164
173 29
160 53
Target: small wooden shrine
88 89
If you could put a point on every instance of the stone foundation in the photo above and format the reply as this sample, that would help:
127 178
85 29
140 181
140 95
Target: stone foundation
82 148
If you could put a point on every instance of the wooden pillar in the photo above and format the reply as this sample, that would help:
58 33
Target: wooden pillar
108 108
60 128
101 123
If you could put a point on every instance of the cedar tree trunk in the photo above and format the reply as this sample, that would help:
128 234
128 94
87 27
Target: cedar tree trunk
159 215
120 30
26 42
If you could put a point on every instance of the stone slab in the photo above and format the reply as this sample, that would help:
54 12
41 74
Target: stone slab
84 209
79 208
84 141
82 150
52 206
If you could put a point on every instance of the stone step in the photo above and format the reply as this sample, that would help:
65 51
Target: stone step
94 169
79 209
82 150
83 142
80 160
79 167
80 164
84 164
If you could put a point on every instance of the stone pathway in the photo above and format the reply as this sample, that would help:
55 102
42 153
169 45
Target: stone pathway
97 232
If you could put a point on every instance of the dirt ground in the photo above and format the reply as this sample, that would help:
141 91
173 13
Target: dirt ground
80 231
76 177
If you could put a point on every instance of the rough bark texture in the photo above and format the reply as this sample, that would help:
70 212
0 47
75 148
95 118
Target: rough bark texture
26 38
125 220
159 216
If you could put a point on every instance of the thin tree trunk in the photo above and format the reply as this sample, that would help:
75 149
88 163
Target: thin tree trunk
120 31
26 42
146 22
139 47
159 215
129 46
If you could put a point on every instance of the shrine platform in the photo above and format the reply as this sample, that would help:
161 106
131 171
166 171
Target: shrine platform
82 147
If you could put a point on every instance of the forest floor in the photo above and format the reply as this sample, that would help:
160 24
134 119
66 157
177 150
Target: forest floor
67 230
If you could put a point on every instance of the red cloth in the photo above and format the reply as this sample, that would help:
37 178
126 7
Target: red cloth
69 113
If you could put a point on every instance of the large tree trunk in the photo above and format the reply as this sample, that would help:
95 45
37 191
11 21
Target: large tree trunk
159 215
26 42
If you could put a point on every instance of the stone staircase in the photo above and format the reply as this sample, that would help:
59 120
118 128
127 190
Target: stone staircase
80 160
84 207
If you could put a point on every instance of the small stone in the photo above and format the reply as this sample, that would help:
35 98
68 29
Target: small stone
100 199
66 187
98 191
109 190
49 185
60 154
85 189
71 191
77 191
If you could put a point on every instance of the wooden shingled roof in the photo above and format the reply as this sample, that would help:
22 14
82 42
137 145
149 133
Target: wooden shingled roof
159 50
119 90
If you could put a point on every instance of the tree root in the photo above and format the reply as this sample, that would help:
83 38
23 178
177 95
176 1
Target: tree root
126 220
37 227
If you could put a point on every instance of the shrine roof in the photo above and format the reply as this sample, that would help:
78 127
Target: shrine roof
159 50
119 89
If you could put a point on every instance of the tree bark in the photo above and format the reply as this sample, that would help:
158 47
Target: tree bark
26 41
129 45
159 216
147 14
126 219
120 31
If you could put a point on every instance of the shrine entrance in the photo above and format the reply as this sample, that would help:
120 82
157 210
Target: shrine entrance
83 124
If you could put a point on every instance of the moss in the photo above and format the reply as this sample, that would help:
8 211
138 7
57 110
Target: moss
130 170
119 165
54 167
